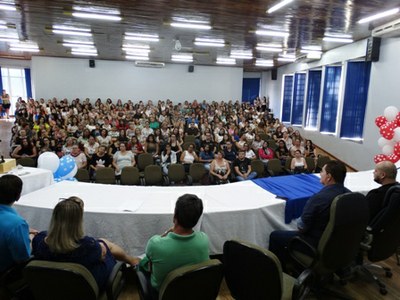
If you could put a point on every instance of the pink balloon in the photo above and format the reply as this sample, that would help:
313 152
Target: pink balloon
380 157
393 158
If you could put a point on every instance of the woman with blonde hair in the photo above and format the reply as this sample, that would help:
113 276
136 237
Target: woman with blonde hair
65 242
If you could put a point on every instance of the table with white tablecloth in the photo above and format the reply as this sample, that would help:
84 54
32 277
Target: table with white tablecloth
130 215
33 178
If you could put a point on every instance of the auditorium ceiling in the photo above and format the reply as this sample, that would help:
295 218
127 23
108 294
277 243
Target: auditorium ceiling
239 32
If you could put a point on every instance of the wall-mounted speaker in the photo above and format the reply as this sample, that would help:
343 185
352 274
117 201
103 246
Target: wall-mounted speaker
274 74
373 49
92 63
191 69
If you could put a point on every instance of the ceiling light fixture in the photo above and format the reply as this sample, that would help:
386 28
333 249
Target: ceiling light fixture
84 50
78 45
190 25
83 53
272 33
133 57
312 48
24 49
141 37
278 6
69 30
96 16
209 42
78 42
379 15
287 59
264 63
133 46
268 49
226 61
337 39
96 12
7 7
182 57
136 53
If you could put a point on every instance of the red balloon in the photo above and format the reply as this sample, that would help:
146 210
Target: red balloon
396 149
398 119
387 130
380 157
380 120
393 158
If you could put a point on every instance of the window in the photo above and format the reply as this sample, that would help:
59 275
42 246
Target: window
355 100
330 99
312 101
13 80
287 97
251 89
298 98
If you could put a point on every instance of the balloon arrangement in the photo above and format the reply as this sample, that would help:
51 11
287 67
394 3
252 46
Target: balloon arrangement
63 168
389 128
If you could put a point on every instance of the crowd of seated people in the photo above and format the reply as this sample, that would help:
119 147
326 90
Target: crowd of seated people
107 133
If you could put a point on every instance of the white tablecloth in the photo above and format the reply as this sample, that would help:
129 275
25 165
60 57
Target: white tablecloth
33 178
130 215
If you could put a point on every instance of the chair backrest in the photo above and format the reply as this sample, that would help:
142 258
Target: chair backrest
58 280
340 241
258 167
197 171
153 175
196 282
82 175
26 162
288 163
176 173
385 227
265 137
272 143
105 175
144 160
274 166
321 161
189 138
310 164
130 176
252 272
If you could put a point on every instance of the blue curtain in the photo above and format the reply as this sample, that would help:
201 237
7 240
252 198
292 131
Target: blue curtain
251 89
355 99
312 101
298 98
287 98
28 82
330 98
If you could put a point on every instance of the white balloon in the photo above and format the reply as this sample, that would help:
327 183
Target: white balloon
390 113
73 172
387 149
396 136
48 161
382 142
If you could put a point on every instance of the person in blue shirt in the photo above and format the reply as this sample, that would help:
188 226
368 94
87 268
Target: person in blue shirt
206 157
15 244
315 217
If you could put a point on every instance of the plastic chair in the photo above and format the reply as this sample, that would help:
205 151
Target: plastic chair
50 280
197 172
176 174
274 167
153 176
321 161
82 175
258 167
310 164
144 160
130 176
105 175
26 162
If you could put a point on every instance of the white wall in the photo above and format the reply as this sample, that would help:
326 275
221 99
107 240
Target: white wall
71 78
14 63
384 90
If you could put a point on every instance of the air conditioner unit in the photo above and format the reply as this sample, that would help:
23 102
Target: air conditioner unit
308 57
149 64
388 30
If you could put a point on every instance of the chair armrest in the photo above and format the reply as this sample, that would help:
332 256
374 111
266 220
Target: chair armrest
189 180
166 180
117 273
297 242
367 240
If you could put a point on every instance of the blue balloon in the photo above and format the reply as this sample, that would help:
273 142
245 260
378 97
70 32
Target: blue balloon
67 164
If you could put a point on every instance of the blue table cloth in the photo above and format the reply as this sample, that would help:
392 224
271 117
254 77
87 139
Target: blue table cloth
295 189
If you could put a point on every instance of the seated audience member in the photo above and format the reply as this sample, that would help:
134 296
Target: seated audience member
310 150
178 246
26 149
296 146
206 156
122 159
168 157
91 147
188 157
79 157
208 141
220 168
281 152
249 153
242 167
66 242
230 153
385 174
315 215
298 164
15 234
265 153
100 159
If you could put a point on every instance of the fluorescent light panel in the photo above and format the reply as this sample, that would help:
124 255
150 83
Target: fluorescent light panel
337 39
279 6
83 53
84 50
78 42
141 37
191 25
209 42
272 33
78 45
286 59
96 16
312 48
379 15
133 46
7 7
225 61
268 49
133 57
24 49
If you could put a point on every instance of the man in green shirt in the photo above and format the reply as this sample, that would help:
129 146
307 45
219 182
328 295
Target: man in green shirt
178 246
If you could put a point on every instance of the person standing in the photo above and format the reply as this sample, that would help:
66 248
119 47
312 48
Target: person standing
6 103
